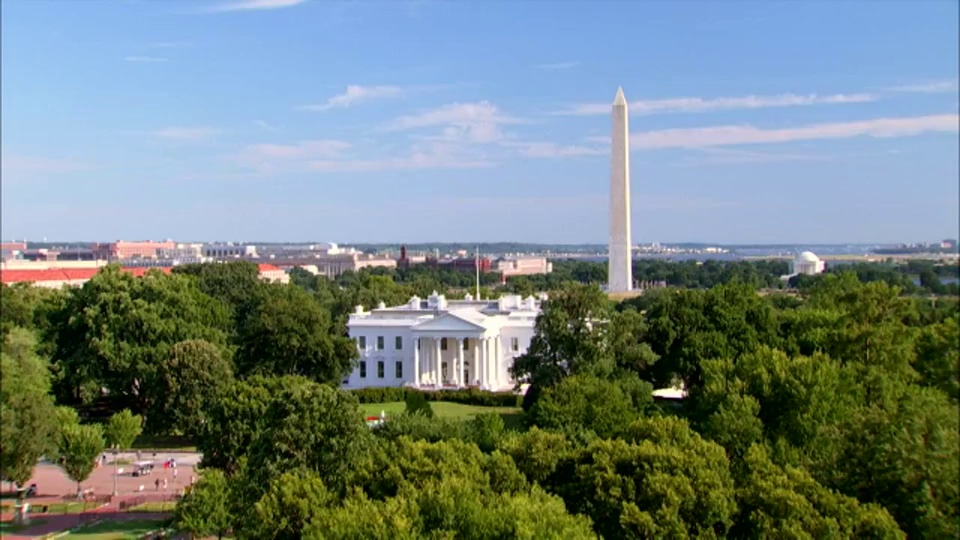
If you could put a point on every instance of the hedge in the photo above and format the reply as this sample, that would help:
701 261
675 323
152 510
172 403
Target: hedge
470 396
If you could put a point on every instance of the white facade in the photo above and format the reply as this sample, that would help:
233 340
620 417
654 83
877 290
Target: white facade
807 263
523 266
620 269
436 343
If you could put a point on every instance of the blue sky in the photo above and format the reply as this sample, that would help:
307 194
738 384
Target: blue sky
359 121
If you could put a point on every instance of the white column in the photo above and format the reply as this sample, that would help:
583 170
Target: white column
475 372
439 361
497 360
484 363
416 361
458 367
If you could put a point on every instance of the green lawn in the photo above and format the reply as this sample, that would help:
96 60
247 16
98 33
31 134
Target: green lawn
155 506
511 415
118 530
61 507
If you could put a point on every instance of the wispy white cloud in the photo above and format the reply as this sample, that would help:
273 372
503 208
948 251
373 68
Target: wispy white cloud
930 87
558 66
745 134
303 149
250 5
355 94
478 122
732 156
552 150
184 133
334 156
146 59
699 105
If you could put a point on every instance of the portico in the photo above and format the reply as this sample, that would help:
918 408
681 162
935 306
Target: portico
451 351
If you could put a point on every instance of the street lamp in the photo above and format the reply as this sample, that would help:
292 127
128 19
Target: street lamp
116 472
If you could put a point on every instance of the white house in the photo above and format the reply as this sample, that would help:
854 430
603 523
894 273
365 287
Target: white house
440 343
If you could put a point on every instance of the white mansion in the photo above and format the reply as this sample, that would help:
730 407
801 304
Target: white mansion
440 343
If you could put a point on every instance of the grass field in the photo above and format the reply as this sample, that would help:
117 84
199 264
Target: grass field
155 506
117 530
511 415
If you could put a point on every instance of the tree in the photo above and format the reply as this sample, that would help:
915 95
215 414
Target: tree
27 419
80 446
205 509
789 502
115 330
586 403
194 373
663 480
122 429
416 403
568 339
289 333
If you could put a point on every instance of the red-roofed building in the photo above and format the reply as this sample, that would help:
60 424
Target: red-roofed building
275 274
56 278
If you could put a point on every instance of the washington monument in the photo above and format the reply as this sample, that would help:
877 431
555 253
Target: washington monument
620 271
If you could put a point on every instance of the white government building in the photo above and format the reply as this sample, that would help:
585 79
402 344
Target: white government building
439 343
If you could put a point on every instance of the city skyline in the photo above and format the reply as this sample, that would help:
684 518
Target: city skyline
774 123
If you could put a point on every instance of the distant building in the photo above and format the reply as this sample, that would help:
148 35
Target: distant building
121 250
464 264
523 266
56 275
807 263
436 343
229 251
948 244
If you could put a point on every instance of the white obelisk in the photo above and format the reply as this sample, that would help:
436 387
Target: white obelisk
620 270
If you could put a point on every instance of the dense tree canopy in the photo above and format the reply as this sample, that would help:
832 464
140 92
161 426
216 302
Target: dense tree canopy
830 411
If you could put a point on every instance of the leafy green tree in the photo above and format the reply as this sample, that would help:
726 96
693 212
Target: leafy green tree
289 333
205 509
294 499
80 446
902 452
235 418
27 418
122 429
416 403
568 339
537 453
586 403
115 330
788 502
627 343
938 356
663 480
236 283
194 373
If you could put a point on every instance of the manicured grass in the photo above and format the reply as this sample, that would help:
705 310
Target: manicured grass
61 507
511 415
169 442
9 527
154 506
117 530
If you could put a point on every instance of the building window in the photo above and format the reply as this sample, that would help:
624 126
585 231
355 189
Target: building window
363 370
379 343
399 372
515 344
443 344
466 344
362 342
398 343
418 343
380 369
